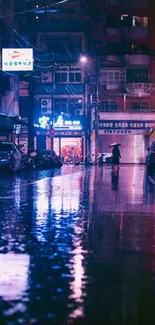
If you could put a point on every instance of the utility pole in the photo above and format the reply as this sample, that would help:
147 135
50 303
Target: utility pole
94 117
52 103
31 115
96 112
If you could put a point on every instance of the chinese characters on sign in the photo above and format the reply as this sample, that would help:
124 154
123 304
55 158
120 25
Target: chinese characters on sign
71 125
17 59
126 125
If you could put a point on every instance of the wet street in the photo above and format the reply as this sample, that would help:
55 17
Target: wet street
77 246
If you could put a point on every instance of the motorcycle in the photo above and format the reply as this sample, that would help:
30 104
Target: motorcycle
101 160
27 162
46 160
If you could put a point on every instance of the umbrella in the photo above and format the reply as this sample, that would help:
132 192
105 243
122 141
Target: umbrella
114 145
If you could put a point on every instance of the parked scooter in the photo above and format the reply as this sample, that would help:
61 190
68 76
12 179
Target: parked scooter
46 160
101 160
88 162
27 162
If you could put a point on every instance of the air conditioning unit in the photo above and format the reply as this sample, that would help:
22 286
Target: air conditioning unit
78 112
46 105
92 80
112 86
46 76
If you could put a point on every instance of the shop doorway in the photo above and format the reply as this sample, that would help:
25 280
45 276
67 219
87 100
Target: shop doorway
69 148
133 147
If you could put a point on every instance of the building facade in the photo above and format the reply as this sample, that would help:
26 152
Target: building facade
8 89
111 97
123 40
58 35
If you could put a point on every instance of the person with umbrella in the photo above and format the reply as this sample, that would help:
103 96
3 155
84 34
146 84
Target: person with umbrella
116 155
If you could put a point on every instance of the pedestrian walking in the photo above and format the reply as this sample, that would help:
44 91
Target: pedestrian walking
116 155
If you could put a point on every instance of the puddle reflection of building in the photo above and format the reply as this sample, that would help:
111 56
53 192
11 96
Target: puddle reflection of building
122 246
41 208
13 275
65 202
66 193
77 285
114 179
66 228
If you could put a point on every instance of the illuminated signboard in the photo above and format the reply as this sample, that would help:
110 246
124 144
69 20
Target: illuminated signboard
43 121
67 125
17 59
125 124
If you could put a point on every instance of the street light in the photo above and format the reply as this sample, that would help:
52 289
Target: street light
83 59
94 111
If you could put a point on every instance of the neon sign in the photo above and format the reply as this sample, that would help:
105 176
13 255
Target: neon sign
43 121
69 125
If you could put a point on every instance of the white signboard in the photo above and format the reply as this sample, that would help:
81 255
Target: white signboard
17 59
123 132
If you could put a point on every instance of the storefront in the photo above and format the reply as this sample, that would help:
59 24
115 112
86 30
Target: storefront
68 139
9 126
134 137
69 145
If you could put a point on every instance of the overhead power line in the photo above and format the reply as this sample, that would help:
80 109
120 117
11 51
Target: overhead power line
33 10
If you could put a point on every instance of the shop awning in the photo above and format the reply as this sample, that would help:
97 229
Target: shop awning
19 121
7 122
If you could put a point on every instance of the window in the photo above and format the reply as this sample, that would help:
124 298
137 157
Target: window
67 45
137 75
67 105
112 77
68 74
112 20
112 2
139 106
61 76
60 105
138 21
126 20
115 48
125 16
139 49
75 75
108 106
138 4
6 147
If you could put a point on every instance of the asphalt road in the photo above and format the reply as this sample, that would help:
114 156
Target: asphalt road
77 246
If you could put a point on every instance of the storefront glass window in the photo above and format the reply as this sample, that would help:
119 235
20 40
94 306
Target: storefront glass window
71 148
56 145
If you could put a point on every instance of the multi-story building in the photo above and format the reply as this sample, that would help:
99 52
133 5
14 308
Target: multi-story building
8 89
118 35
122 37
57 33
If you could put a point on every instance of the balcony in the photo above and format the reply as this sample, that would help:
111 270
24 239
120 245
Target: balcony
111 31
111 60
137 33
137 59
60 89
132 4
138 89
60 25
130 33
127 114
